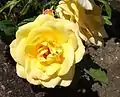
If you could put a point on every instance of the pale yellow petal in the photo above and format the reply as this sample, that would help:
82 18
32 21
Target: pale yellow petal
20 71
86 4
76 11
33 81
65 8
20 52
17 51
58 27
82 36
34 70
67 79
72 40
76 30
28 62
47 34
59 12
24 30
13 49
64 25
51 83
93 40
79 53
35 77
68 59
75 42
52 69
34 73
41 19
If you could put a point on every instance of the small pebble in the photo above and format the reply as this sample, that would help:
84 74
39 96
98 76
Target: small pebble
84 90
117 43
9 92
117 77
116 57
3 87
101 59
118 91
79 90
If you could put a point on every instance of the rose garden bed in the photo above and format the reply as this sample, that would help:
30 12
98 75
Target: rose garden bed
106 57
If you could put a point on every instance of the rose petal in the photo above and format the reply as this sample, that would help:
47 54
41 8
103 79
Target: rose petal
13 49
20 54
65 6
41 19
72 40
69 59
33 81
79 53
20 71
24 30
34 70
48 34
52 69
17 51
30 50
67 79
51 83
86 4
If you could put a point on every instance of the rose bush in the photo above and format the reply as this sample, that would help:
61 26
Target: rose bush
46 51
87 15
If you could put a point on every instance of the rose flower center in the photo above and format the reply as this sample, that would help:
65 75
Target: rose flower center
49 52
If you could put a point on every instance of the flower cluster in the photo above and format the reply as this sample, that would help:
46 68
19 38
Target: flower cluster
47 49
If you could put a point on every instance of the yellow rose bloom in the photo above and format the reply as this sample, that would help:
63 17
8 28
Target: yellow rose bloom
46 51
87 16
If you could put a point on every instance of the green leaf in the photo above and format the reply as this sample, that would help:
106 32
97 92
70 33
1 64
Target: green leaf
103 1
98 75
7 27
15 2
108 11
107 21
10 4
26 7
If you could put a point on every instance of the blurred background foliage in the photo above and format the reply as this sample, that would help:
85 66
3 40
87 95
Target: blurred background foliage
17 10
14 13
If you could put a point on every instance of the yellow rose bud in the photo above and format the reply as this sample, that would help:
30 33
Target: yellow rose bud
87 16
46 51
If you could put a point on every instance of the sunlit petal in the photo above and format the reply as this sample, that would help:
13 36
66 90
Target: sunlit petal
68 59
20 71
86 4
51 83
67 79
